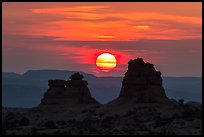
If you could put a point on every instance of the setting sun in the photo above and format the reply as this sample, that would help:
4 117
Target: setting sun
106 62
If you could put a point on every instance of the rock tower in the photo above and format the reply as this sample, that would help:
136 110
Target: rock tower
142 83
74 91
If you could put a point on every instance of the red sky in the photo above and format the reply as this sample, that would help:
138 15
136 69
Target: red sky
69 36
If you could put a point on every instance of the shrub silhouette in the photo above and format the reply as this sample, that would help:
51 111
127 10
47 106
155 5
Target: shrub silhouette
61 122
9 123
107 122
50 124
181 101
24 121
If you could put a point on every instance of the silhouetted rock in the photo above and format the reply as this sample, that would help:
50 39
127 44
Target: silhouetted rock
74 91
76 80
76 76
142 83
56 83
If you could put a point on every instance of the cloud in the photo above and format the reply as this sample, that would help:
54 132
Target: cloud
66 11
105 37
142 26
86 22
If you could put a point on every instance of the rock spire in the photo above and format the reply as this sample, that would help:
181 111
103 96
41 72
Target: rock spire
142 83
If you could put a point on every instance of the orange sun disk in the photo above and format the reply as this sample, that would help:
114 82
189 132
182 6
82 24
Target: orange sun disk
106 62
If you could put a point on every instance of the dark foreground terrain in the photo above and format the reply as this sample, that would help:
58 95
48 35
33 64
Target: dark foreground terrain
142 108
143 119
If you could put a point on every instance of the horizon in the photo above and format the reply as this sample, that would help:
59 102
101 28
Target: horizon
91 73
71 35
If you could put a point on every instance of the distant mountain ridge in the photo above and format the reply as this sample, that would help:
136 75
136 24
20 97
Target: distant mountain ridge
10 74
26 90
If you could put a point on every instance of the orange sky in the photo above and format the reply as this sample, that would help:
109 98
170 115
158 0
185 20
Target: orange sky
106 21
66 32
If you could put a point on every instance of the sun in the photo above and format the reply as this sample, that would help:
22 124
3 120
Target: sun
106 62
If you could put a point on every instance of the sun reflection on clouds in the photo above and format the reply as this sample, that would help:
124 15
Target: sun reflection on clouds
105 37
142 27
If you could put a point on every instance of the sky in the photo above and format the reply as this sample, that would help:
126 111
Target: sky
71 35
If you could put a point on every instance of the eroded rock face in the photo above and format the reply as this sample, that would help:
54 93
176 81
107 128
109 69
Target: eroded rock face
74 91
142 83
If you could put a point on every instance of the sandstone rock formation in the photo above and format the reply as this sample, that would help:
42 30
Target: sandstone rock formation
142 83
74 91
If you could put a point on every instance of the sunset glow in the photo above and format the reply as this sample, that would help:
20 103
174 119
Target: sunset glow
106 62
71 35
